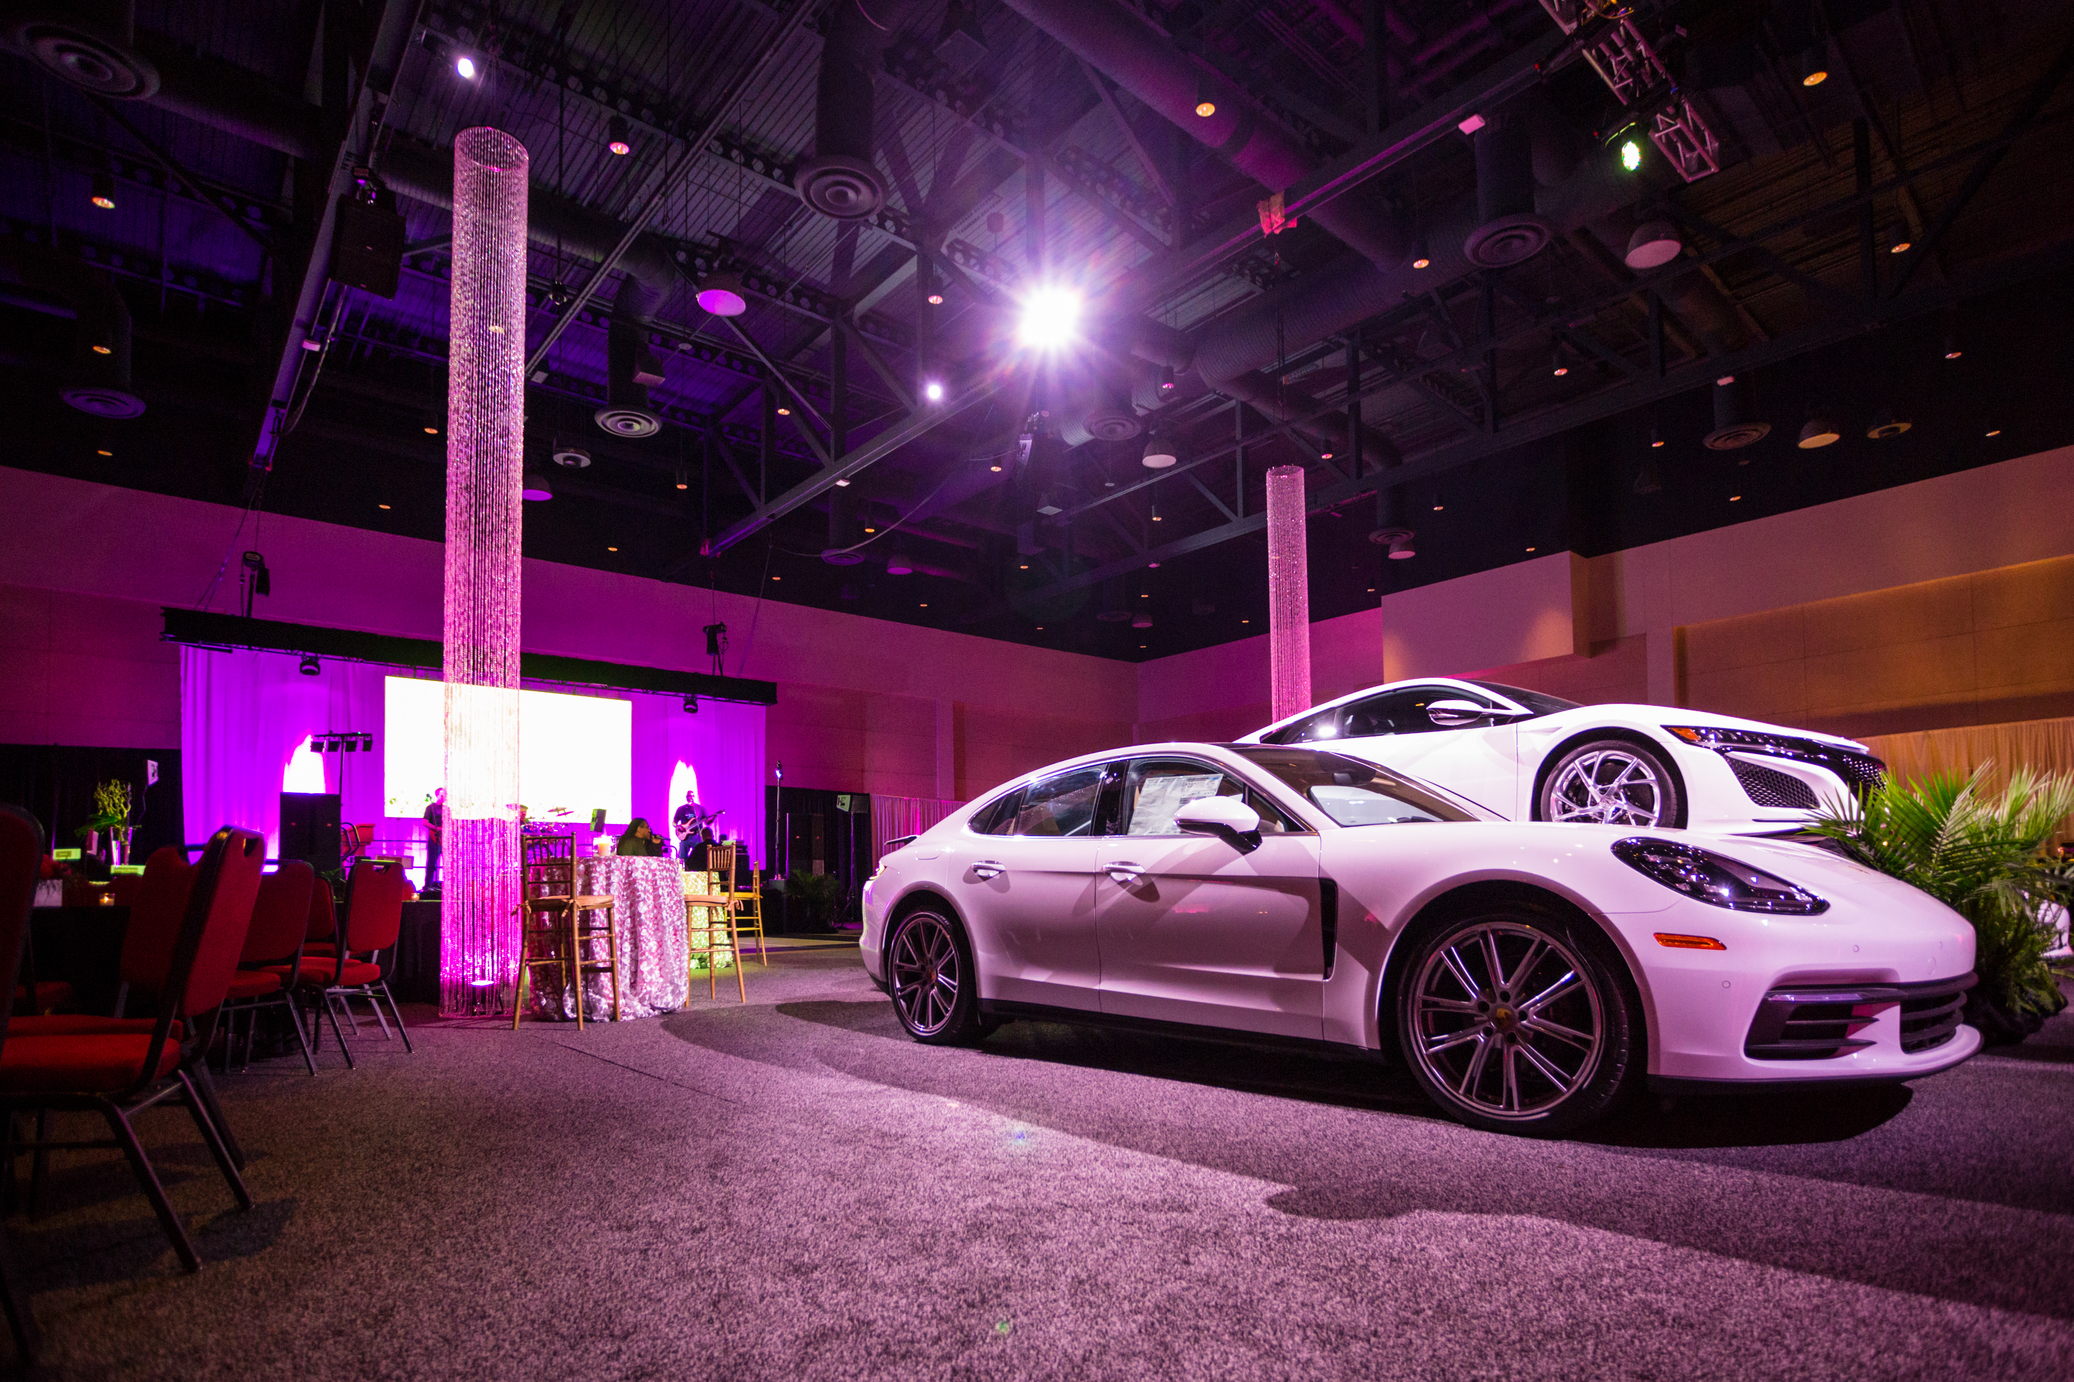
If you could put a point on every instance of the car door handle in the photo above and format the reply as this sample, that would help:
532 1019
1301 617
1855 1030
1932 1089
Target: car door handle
987 868
1126 874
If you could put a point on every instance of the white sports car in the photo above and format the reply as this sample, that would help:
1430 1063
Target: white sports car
1527 756
1527 973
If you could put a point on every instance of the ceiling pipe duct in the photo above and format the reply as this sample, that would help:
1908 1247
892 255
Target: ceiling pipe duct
1509 230
840 179
1130 52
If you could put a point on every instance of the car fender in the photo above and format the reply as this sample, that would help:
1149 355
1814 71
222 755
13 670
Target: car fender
1609 728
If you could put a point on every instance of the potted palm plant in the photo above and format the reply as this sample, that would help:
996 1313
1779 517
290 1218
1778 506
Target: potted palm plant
1987 855
111 814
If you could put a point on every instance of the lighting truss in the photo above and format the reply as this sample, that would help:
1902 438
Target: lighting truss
1631 69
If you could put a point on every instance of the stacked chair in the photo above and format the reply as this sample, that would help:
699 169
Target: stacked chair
556 923
333 970
118 1067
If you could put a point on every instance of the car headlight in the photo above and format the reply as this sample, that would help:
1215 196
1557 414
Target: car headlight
1717 881
1717 737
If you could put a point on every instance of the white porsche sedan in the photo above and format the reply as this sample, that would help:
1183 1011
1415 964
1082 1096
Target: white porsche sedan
1527 973
1529 756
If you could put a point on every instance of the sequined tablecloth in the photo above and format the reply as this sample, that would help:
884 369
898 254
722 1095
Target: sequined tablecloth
648 913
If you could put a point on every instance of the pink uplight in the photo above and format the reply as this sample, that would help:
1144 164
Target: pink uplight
1288 594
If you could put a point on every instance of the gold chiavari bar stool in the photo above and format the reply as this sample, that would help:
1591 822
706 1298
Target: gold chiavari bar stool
709 920
748 911
552 929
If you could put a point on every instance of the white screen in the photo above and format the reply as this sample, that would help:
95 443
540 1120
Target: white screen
576 753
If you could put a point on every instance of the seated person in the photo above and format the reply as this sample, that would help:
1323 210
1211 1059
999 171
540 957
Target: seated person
698 851
639 841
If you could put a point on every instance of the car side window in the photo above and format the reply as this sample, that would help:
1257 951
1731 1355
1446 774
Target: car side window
1063 804
1323 725
1403 711
1157 788
996 818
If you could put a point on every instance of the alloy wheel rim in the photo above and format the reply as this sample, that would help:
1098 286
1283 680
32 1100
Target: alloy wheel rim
925 973
1609 786
1506 1022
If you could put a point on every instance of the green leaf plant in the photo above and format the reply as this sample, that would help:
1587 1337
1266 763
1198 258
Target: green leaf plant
1987 855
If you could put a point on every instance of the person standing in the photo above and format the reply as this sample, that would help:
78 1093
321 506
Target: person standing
684 822
435 829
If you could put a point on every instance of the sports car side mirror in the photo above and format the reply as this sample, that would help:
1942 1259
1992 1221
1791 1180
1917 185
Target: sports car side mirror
1228 818
1456 714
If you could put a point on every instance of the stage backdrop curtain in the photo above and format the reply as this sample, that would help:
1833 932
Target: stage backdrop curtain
2045 746
893 817
244 716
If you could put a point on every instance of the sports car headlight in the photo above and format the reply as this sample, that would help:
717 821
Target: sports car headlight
1717 881
1718 737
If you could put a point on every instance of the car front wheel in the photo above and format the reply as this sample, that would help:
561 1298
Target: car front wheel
929 973
1611 782
1511 1022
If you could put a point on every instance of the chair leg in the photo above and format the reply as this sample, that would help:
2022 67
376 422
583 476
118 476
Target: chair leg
215 1134
295 1019
735 937
140 1164
572 972
612 956
39 1164
207 1088
368 994
396 1012
28 1340
331 1012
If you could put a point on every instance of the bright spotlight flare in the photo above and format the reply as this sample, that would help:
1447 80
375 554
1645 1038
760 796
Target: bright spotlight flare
1051 318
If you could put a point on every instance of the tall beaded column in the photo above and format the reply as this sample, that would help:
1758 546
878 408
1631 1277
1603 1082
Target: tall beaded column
1288 593
478 945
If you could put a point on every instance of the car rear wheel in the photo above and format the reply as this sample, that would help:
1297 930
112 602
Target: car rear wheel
929 973
1512 1022
1611 782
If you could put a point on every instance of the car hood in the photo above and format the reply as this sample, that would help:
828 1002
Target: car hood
1658 716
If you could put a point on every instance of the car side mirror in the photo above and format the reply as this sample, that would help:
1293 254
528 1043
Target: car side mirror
1228 818
1456 714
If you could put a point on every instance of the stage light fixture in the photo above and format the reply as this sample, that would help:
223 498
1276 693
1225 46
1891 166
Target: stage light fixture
618 137
1819 432
367 742
1205 103
465 68
1656 438
1631 155
350 744
691 705
683 478
933 391
536 487
1951 346
936 299
722 295
1421 256
1899 240
1559 364
1160 452
309 666
1166 380
1050 316
1155 510
104 191
899 564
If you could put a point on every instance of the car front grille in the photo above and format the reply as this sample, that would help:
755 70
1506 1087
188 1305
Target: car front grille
1823 1023
1770 787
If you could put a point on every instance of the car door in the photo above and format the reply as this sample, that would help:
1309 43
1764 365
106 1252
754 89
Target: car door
1397 730
1194 929
1027 893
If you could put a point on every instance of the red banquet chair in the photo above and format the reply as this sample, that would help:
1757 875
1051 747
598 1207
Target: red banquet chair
280 923
374 918
118 1073
156 913
21 857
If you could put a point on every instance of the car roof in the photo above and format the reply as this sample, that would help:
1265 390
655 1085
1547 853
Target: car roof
1377 689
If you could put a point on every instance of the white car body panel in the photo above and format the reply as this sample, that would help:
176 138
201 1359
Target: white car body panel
1234 940
1499 766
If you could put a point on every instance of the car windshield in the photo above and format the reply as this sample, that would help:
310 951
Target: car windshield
1540 702
1352 792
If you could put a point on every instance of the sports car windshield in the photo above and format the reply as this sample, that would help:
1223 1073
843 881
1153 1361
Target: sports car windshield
1350 791
1540 702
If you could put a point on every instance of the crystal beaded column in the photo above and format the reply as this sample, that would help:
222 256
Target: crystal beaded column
478 946
1288 593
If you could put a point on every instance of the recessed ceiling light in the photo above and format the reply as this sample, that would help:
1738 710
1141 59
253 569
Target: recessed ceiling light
996 469
1024 567
1245 621
103 451
1371 590
1530 549
1735 498
925 604
871 530
936 299
1901 247
612 549
1994 431
784 412
777 578
381 506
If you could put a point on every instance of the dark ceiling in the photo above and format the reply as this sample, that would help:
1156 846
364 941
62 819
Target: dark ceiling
1856 233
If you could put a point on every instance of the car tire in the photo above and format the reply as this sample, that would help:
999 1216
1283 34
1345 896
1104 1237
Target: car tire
1540 1043
930 976
1612 782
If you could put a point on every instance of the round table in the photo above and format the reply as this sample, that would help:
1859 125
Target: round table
648 913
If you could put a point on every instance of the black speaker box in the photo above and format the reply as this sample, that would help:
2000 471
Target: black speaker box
310 829
367 251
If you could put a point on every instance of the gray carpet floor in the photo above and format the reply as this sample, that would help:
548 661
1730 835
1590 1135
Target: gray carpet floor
792 1189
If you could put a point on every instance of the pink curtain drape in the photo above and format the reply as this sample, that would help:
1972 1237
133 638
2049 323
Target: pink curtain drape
893 817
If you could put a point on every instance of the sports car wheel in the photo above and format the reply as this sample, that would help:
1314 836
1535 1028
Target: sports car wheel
929 970
1611 782
1512 1023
